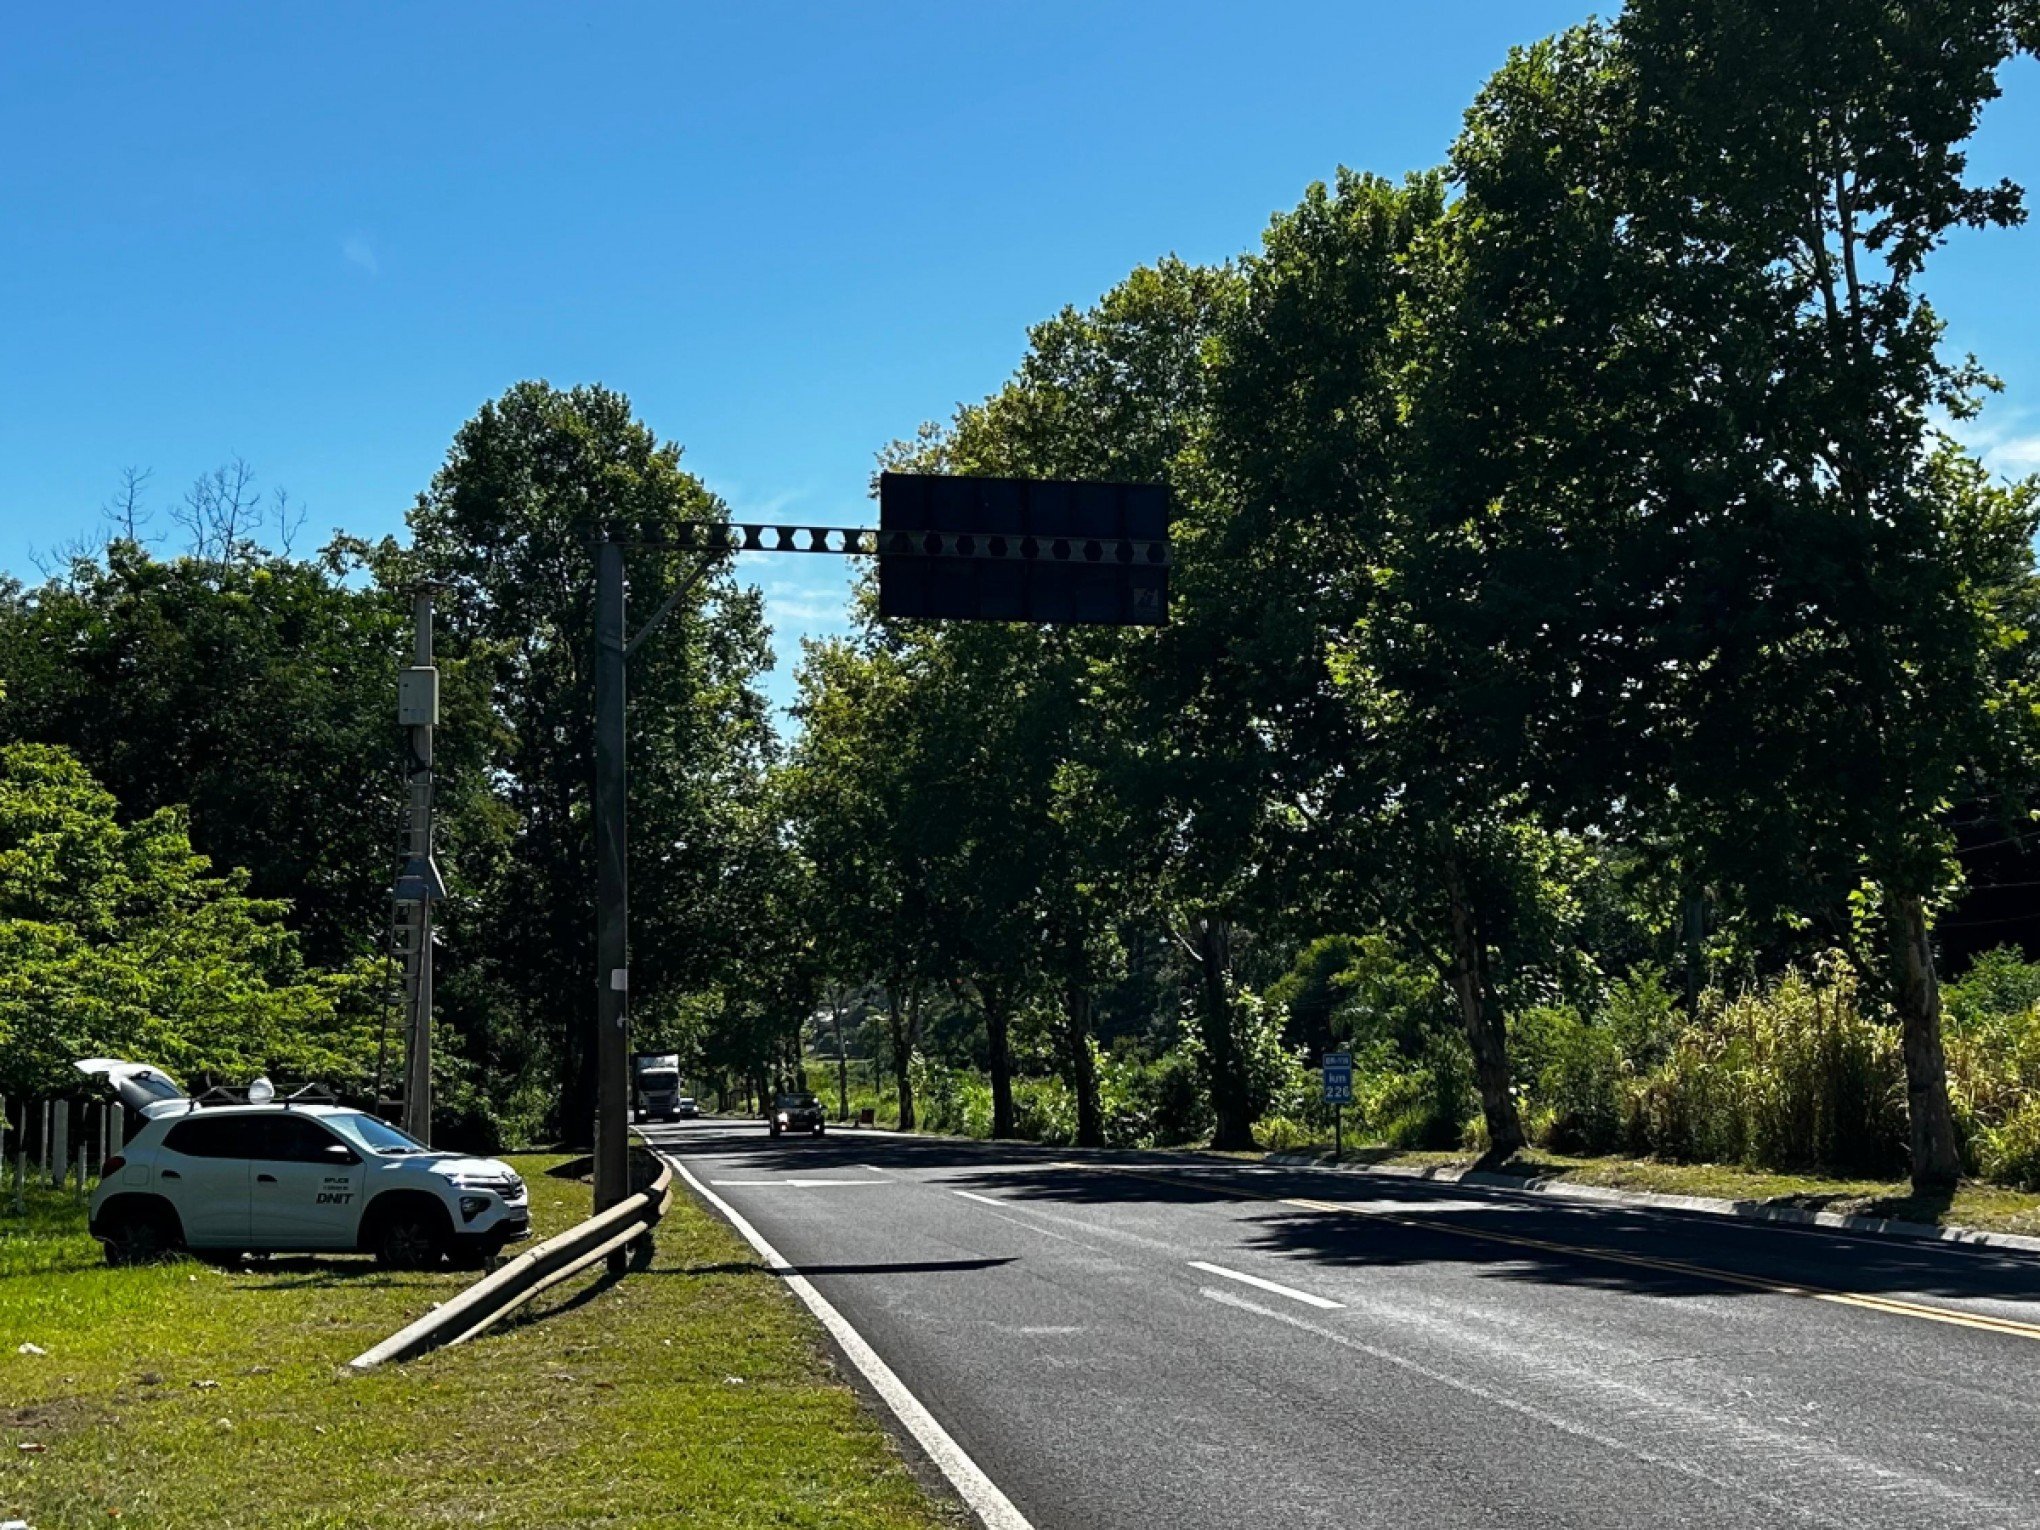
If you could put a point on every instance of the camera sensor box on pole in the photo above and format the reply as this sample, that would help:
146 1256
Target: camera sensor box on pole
418 697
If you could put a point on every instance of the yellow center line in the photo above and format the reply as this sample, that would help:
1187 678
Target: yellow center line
1886 1304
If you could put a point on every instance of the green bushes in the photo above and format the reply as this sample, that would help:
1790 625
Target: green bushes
1159 1103
1574 1080
1279 1134
950 1100
1420 1102
1794 1075
1993 1042
2010 1153
1801 1074
1044 1110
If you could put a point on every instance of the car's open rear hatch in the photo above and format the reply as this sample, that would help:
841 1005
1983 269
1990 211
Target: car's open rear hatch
144 1089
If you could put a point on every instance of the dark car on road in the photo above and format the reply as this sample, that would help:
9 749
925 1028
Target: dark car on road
797 1113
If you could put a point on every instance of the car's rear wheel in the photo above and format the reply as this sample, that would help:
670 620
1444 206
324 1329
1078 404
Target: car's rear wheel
138 1234
410 1238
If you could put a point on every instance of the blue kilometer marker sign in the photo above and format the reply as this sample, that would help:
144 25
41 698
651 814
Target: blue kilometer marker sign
1338 1071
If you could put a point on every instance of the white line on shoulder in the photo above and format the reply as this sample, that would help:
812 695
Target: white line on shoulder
965 1475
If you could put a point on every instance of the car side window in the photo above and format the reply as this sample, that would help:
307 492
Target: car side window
297 1139
217 1137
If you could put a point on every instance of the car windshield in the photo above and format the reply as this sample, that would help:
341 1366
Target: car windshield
377 1135
796 1101
660 1080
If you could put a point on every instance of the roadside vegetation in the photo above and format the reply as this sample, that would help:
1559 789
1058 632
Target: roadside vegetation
1791 1091
184 1395
1597 692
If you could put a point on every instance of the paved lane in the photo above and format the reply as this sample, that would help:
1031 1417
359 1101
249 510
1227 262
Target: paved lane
1135 1340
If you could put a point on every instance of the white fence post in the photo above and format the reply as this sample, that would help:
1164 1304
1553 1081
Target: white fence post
21 1162
60 1145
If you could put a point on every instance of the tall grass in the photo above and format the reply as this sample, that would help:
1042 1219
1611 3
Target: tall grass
1801 1074
1791 1076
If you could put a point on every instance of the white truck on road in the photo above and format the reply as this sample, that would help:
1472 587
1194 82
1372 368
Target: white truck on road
655 1086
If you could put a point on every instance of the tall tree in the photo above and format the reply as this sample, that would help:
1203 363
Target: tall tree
256 691
1392 725
1119 392
1836 603
856 792
506 529
119 938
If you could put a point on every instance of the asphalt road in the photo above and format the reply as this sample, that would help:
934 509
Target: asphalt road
1146 1340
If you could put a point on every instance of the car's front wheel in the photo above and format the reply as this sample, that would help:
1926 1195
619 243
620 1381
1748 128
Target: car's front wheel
410 1238
138 1234
476 1254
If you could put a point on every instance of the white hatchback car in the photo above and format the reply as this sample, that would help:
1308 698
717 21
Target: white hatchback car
284 1177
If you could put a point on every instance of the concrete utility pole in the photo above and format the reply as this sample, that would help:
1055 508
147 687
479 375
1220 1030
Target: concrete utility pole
612 886
418 885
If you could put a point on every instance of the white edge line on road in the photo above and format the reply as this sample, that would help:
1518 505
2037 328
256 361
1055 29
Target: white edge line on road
977 1490
804 1184
972 1195
1256 1281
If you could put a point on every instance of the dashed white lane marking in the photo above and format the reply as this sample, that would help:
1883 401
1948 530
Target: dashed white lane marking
1322 1303
1034 1227
993 1507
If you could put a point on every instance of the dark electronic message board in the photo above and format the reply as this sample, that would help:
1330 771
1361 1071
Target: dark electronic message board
1023 550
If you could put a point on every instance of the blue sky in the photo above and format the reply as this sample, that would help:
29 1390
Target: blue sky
318 237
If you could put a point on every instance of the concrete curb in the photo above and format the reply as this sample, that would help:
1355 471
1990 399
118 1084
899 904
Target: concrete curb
1702 1205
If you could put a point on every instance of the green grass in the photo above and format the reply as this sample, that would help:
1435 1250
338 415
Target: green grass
694 1392
1988 1208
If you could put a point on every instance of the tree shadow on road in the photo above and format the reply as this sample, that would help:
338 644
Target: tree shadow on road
1403 1222
1378 1223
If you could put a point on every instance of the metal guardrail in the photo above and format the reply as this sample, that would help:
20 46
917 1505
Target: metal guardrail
496 1295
